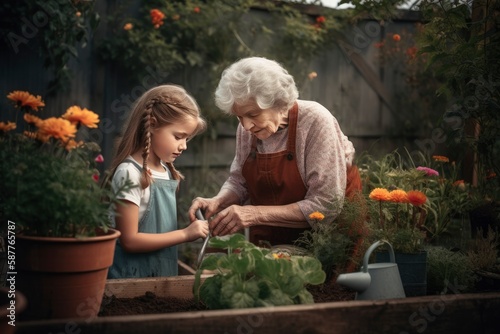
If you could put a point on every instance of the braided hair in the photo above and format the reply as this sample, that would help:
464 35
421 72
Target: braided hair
167 104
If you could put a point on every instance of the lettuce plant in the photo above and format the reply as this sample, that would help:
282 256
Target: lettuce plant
249 276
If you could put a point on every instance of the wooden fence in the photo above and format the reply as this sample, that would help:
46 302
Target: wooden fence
352 83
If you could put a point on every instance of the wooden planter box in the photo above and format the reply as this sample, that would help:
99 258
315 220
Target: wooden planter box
456 313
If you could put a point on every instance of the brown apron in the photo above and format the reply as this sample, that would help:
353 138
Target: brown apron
274 179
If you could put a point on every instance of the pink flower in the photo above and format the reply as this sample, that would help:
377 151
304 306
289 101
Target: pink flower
428 171
99 159
95 177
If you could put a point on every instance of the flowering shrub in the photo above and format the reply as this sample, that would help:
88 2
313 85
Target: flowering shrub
248 276
412 204
49 177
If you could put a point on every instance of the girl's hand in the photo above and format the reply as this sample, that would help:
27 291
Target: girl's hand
197 229
233 219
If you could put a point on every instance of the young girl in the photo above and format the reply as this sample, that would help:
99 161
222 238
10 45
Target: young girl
162 121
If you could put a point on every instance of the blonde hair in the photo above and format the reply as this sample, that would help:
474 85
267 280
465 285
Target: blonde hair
167 104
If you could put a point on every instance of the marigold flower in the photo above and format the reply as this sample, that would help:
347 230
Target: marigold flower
25 99
71 144
396 37
320 19
7 126
379 194
58 128
491 175
317 216
416 197
128 26
460 184
312 75
156 17
196 9
32 119
77 115
398 196
440 158
428 171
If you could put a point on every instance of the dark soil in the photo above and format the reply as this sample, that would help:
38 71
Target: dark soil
152 304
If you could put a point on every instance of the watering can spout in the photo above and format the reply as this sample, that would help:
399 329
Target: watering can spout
358 282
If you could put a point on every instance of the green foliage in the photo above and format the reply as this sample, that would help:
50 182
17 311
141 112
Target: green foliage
446 268
448 196
50 188
484 251
199 39
248 276
339 245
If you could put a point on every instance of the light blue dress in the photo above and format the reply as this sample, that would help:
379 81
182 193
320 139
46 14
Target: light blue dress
159 217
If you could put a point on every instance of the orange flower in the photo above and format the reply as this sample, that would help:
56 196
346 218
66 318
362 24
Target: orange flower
491 175
416 197
440 158
58 128
7 126
411 52
320 19
71 144
396 37
312 75
379 194
196 9
32 119
25 99
317 216
77 115
156 17
128 26
398 196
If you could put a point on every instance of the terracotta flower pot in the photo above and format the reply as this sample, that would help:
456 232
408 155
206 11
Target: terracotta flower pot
11 306
63 277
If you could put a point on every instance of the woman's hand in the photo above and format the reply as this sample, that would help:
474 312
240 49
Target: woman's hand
233 219
208 206
197 229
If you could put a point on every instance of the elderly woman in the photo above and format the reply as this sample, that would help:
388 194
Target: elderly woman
292 158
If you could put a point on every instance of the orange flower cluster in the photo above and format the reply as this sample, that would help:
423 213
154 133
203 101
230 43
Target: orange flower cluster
320 19
413 197
396 37
197 9
25 99
156 17
63 128
440 158
128 26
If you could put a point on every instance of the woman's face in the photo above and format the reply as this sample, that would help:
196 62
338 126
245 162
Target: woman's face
262 123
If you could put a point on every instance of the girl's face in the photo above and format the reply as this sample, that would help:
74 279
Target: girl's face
169 141
261 122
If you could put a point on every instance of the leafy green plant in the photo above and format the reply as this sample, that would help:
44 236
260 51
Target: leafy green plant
49 179
249 276
445 268
340 244
447 196
484 251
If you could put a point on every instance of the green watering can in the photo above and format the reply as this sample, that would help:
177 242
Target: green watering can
375 280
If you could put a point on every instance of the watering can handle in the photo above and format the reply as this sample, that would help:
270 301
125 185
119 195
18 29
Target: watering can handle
372 248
